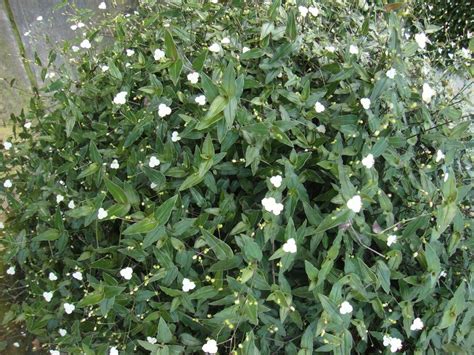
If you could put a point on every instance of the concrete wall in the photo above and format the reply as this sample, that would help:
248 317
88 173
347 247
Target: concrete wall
22 35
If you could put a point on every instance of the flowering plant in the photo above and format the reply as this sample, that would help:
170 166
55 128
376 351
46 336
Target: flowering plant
247 178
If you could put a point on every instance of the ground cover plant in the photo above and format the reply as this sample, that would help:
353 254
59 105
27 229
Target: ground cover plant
243 177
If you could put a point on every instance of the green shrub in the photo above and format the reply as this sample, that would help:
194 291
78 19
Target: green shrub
145 202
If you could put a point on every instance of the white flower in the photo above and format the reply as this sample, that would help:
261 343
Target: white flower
8 183
353 49
345 308
127 65
290 246
164 110
11 270
2 226
427 93
52 276
153 185
391 73
115 164
271 205
417 324
27 33
151 340
48 296
126 273
77 275
104 68
113 351
394 343
421 40
7 145
62 332
39 18
73 27
303 11
368 161
210 347
443 274
215 47
188 285
200 100
319 107
245 49
86 44
101 214
314 11
446 177
16 344
54 352
50 75
75 49
439 156
214 1
27 125
355 204
130 52
193 77
175 136
158 54
365 102
80 25
465 53
71 204
154 161
102 5
321 128
391 239
276 180
225 40
330 49
120 98
69 308
59 198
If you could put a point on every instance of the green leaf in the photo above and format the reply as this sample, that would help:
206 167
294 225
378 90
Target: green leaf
228 81
91 169
144 226
116 191
226 264
153 236
175 71
454 307
219 247
170 47
213 115
82 211
267 28
383 274
163 212
204 293
48 235
198 63
114 71
191 181
91 299
333 220
164 333
291 26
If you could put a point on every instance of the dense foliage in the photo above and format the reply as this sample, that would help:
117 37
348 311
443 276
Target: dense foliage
251 178
456 21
